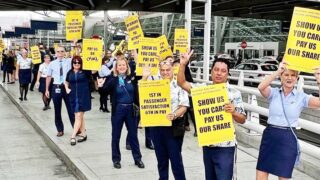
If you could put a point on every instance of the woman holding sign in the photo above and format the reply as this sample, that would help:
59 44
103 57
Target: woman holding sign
122 92
77 85
218 158
23 73
168 140
279 149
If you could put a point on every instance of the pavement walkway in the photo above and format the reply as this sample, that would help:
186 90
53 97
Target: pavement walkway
23 153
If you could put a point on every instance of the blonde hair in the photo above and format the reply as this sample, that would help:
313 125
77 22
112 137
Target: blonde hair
295 71
115 72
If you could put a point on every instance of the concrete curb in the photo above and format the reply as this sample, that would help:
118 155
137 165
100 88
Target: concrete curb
78 169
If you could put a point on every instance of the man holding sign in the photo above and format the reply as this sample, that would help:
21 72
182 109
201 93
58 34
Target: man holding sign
168 140
218 158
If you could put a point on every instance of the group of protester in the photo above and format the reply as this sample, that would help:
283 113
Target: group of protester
64 79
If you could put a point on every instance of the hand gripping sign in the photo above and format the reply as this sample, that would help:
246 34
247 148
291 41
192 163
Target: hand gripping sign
214 125
155 103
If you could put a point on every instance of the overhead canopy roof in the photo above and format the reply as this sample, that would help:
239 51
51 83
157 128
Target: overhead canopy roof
266 9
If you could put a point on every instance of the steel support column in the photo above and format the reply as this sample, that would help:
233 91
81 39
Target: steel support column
187 18
206 47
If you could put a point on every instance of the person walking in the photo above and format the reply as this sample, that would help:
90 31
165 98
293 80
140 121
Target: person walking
35 68
104 72
122 92
58 70
77 86
167 144
279 147
23 73
10 67
219 158
41 82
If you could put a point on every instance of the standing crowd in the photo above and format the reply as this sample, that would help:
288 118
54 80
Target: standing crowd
62 78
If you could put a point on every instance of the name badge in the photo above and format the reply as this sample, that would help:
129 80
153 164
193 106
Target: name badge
58 90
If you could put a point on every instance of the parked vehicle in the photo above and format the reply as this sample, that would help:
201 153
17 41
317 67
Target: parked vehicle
254 71
262 61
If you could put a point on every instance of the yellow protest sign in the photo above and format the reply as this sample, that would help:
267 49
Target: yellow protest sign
155 103
1 45
74 22
0 56
118 48
55 46
35 54
303 45
165 49
214 125
180 40
134 31
148 55
92 54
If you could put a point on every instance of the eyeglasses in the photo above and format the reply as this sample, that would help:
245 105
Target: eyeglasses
76 62
165 62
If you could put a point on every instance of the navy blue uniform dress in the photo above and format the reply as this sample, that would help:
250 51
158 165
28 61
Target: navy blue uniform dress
80 97
24 70
122 97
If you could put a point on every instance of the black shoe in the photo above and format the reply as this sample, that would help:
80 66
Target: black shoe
82 138
20 98
139 164
117 165
45 108
73 141
128 147
25 98
59 134
100 109
150 146
31 89
107 110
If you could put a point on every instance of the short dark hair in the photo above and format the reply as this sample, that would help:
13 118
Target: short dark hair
119 53
222 60
74 59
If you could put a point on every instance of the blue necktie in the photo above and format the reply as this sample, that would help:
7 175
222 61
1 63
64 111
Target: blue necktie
61 72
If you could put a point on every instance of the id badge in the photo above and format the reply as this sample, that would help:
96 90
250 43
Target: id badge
58 90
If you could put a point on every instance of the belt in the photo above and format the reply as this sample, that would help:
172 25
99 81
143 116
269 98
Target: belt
58 85
280 127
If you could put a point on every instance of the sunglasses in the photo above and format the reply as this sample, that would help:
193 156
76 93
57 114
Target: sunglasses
76 62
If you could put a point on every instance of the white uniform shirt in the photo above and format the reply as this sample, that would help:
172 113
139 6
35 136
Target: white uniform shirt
24 63
43 69
179 97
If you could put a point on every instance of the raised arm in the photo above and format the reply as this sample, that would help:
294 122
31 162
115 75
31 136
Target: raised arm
181 79
264 86
314 102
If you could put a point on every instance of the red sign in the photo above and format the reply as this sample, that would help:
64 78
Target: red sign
243 44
